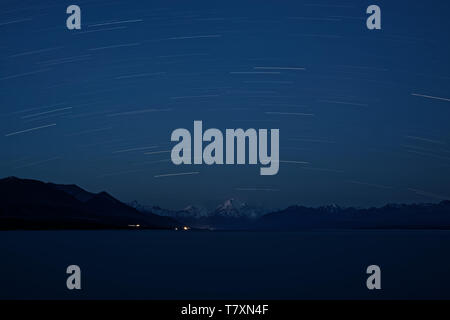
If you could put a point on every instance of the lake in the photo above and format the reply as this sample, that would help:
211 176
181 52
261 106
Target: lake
147 264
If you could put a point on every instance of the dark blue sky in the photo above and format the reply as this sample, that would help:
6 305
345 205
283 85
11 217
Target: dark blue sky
102 97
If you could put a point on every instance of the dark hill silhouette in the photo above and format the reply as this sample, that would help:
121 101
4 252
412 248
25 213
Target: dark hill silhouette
74 190
26 204
27 192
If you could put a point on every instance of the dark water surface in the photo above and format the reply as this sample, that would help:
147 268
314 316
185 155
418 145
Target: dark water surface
224 265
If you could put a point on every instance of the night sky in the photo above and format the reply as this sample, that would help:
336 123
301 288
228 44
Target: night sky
363 115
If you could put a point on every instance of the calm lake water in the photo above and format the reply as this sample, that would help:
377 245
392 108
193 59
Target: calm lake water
224 265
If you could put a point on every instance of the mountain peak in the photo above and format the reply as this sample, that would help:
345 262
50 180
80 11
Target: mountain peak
235 208
11 178
230 204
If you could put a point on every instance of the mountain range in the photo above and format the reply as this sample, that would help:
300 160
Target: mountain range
231 214
32 204
391 216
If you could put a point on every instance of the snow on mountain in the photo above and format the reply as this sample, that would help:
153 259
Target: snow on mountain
231 208
234 208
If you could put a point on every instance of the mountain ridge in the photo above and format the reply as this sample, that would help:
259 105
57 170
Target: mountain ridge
27 203
33 204
389 216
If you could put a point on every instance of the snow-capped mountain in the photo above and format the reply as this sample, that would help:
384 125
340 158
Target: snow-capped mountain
231 208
